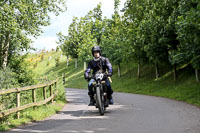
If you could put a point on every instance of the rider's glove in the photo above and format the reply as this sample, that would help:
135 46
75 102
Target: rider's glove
109 74
88 78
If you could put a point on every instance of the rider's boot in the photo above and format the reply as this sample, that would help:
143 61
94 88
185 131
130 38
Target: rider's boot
92 101
110 99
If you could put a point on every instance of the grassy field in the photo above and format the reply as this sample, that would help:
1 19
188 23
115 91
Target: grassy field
184 89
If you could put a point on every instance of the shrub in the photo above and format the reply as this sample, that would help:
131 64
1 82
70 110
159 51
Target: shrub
7 78
57 49
7 81
23 73
57 61
42 57
48 63
35 65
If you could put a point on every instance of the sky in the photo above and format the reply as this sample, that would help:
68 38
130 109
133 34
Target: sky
78 8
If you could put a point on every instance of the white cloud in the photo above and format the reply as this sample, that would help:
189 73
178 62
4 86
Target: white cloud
45 42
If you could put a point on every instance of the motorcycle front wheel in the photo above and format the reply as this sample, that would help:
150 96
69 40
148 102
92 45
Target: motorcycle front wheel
100 100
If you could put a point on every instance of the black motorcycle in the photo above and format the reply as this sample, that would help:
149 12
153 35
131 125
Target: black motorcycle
100 91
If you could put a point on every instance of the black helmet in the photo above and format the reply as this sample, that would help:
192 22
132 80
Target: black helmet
96 49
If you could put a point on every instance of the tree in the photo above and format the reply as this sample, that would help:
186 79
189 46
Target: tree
74 40
64 44
169 38
87 42
20 18
113 37
188 30
83 34
156 50
96 22
136 37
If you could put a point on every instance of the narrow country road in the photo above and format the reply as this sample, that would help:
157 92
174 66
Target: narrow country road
130 114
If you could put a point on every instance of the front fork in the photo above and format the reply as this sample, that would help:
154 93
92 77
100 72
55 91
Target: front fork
103 91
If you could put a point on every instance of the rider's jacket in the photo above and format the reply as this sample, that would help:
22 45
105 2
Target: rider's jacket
96 66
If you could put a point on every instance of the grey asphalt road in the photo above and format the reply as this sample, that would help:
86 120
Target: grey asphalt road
130 114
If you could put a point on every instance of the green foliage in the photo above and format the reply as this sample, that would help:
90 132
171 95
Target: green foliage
83 34
7 79
147 31
57 48
35 65
18 74
20 67
48 63
57 60
113 37
42 57
188 30
20 19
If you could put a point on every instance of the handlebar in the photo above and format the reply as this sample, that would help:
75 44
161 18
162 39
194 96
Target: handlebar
105 76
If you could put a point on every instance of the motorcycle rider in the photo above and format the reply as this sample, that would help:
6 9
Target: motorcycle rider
98 62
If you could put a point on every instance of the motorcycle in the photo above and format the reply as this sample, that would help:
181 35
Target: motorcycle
100 92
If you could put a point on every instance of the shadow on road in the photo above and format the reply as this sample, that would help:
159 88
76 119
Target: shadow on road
76 117
69 119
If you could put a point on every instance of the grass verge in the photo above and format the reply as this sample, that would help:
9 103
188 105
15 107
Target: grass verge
46 67
184 89
31 115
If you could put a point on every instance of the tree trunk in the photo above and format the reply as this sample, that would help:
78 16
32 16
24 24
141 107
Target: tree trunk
5 52
157 71
49 58
84 66
197 75
67 61
119 70
138 72
1 53
75 63
2 41
61 57
5 57
175 73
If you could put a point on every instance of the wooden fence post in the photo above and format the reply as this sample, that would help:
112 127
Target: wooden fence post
56 84
44 93
51 92
18 104
34 96
63 78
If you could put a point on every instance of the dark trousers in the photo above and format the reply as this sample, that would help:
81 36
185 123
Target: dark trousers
91 92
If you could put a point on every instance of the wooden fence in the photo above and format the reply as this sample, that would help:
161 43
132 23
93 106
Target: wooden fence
51 85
